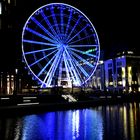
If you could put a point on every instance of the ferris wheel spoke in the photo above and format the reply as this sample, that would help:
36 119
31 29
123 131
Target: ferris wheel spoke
43 28
90 50
42 58
72 65
50 25
68 24
66 66
40 35
77 33
45 67
55 21
42 50
73 28
52 69
84 45
83 52
79 75
38 42
81 68
62 20
81 39
83 60
47 64
51 75
60 71
71 69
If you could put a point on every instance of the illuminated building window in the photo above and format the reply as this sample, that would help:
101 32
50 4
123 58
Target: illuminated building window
111 83
119 82
130 75
123 72
123 77
124 82
99 82
130 52
130 89
107 83
10 84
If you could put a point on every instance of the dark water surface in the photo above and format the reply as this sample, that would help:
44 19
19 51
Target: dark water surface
112 122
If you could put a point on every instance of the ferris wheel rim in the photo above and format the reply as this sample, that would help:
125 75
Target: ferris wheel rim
83 16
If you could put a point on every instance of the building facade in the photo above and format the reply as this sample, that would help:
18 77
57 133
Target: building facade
121 74
11 82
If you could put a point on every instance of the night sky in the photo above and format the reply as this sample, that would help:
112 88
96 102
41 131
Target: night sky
116 23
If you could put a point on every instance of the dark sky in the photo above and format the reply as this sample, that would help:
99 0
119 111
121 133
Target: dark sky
116 22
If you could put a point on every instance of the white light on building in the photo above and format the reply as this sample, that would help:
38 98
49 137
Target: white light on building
130 75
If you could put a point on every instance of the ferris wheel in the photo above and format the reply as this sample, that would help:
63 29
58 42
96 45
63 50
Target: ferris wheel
60 46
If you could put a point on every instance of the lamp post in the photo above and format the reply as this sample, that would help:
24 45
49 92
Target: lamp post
15 82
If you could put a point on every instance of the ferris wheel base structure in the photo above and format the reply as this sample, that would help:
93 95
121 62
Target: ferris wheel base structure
60 46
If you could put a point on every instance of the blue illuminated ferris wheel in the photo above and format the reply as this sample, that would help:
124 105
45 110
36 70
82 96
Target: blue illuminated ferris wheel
60 46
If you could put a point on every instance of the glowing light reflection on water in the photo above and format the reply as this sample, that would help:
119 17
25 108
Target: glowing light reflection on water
118 122
63 125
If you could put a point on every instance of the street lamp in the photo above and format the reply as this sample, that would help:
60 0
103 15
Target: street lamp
15 82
